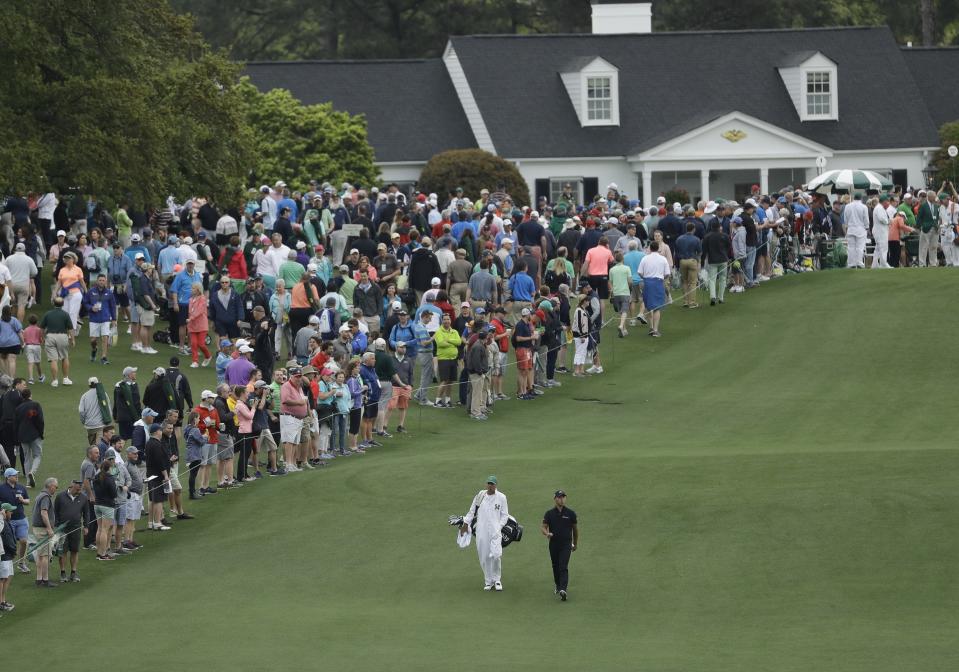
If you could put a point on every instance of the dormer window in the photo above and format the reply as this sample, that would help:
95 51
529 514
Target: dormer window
812 80
593 87
599 99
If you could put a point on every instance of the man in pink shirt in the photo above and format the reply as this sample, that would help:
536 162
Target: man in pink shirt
293 411
596 268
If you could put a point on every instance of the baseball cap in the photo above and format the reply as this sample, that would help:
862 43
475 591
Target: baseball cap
314 319
159 371
132 449
92 380
480 311
20 247
128 370
171 240
155 427
524 312
225 343
10 471
147 412
61 232
354 251
245 349
344 268
344 327
294 371
381 246
140 255
465 304
559 493
207 394
135 238
435 282
491 479
300 245
379 344
260 383
7 507
397 305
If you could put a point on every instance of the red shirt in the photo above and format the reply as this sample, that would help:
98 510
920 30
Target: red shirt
502 340
212 432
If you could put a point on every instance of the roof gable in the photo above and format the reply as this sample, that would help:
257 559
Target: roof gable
733 135
574 75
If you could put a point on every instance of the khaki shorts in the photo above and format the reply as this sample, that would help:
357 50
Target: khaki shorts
33 353
20 294
290 428
44 545
147 317
56 347
636 292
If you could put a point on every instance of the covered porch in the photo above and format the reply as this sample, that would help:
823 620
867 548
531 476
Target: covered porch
725 157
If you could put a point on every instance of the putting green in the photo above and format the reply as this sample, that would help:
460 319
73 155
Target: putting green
770 486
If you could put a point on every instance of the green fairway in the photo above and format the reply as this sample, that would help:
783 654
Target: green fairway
770 486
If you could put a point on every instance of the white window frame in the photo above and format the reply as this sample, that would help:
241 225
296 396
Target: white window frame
577 183
833 113
613 77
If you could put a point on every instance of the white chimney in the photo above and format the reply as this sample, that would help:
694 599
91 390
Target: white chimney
613 18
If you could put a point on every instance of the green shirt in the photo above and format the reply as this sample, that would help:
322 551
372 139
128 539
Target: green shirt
385 366
291 272
928 217
124 223
619 276
346 291
908 214
56 321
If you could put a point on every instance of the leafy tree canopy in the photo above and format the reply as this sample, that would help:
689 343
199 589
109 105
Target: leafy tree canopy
122 99
297 143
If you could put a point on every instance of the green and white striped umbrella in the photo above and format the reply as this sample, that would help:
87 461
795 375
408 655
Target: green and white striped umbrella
848 180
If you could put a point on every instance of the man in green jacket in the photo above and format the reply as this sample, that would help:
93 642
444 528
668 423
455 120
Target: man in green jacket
927 220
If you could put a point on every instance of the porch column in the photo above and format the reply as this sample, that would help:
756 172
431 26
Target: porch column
764 180
704 184
648 197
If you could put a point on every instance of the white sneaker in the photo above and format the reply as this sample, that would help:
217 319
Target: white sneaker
591 369
498 586
194 365
148 351
136 346
206 362
67 381
487 587
55 383
129 330
161 528
599 369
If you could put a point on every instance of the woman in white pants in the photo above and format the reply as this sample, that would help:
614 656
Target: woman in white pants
280 311
70 282
580 336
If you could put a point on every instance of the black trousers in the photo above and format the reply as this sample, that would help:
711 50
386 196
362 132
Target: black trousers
194 467
244 446
559 555
895 251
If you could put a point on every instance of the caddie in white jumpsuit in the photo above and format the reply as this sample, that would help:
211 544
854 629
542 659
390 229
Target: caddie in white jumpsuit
488 513
856 218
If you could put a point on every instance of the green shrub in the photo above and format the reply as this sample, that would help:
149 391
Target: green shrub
472 169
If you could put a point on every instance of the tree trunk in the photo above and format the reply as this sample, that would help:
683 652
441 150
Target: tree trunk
927 8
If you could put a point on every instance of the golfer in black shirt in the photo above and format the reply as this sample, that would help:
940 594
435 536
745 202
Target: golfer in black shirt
559 526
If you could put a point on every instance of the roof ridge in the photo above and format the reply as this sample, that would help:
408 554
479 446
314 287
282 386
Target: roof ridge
677 32
346 61
944 47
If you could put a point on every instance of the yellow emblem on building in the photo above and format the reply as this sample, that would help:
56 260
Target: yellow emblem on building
734 135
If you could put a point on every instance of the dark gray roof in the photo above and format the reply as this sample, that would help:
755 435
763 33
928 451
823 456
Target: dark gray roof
936 72
795 58
668 79
411 108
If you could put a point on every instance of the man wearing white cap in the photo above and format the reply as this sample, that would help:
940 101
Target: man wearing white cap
22 272
488 513
95 412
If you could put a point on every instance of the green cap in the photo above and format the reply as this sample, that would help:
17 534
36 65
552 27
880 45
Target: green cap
7 507
942 195
883 197
491 479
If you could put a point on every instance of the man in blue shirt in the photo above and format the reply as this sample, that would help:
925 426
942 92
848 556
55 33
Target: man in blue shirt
168 258
521 288
136 247
424 357
404 332
14 494
689 248
180 299
632 259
